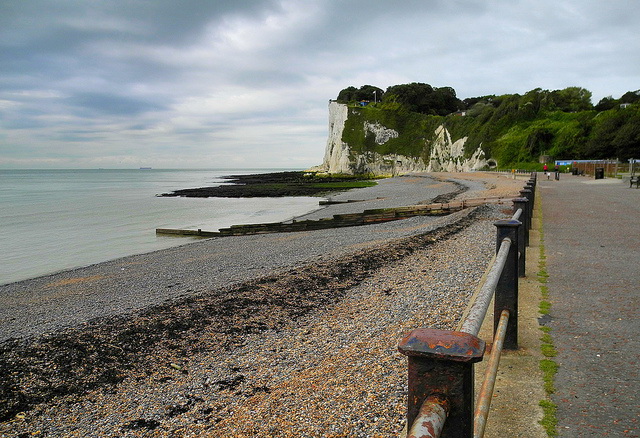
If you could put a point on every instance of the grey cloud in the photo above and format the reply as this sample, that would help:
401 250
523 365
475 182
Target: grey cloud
108 103
59 23
22 123
261 78
235 75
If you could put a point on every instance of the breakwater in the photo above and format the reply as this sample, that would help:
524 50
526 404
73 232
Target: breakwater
366 217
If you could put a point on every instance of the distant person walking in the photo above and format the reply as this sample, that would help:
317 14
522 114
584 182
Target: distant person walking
546 170
557 169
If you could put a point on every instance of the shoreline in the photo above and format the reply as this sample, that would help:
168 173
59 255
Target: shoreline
74 218
170 354
150 278
168 274
315 213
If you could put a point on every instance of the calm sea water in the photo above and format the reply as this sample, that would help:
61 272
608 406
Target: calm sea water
52 220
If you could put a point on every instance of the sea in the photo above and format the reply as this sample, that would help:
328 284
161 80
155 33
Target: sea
54 220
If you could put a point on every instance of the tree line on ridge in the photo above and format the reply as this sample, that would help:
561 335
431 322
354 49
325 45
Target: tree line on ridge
514 128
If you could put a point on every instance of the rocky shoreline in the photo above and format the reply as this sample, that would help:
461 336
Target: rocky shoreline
273 356
276 184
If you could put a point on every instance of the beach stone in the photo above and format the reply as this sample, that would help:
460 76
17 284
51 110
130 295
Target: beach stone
299 340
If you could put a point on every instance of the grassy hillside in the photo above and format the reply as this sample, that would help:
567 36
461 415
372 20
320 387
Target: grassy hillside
512 129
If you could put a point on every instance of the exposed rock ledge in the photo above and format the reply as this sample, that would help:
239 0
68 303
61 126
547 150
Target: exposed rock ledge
445 155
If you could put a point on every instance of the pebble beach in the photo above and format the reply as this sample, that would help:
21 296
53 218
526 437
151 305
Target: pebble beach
293 334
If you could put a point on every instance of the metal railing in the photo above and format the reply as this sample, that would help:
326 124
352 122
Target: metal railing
440 362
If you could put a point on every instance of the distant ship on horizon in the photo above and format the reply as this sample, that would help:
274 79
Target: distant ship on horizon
145 168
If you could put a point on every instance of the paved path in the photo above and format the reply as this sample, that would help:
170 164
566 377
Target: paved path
592 241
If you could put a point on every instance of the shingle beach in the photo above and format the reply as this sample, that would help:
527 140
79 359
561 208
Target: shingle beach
275 335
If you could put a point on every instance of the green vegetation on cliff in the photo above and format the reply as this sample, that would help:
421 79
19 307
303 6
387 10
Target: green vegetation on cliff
512 129
412 128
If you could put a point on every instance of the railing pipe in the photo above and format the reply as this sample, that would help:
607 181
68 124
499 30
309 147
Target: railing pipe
430 420
507 288
486 391
440 362
478 311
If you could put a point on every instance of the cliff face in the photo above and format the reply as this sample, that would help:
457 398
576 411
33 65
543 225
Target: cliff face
443 154
337 153
448 156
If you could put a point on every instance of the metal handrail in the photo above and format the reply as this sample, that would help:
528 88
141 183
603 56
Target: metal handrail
430 420
478 311
440 362
486 392
517 214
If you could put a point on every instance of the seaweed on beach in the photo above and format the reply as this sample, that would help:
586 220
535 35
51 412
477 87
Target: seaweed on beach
63 366
460 188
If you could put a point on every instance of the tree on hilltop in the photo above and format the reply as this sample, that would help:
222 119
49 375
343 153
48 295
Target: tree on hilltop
630 97
606 103
366 93
572 99
423 98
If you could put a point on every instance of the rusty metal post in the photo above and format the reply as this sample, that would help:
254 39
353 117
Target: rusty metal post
507 287
440 362
532 187
523 235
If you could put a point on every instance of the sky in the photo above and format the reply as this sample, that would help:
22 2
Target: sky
246 83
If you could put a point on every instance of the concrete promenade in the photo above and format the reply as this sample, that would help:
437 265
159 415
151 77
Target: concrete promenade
592 243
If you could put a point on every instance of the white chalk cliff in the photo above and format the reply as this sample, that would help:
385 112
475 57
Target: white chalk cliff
448 156
445 155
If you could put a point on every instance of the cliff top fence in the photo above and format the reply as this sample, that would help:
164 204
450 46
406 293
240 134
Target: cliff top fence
440 362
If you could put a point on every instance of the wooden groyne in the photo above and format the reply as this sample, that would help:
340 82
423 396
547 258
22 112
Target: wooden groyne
339 220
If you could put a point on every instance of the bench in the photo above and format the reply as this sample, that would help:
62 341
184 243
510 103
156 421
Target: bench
634 180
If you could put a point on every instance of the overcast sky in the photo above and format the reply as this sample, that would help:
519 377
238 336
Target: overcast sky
245 83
